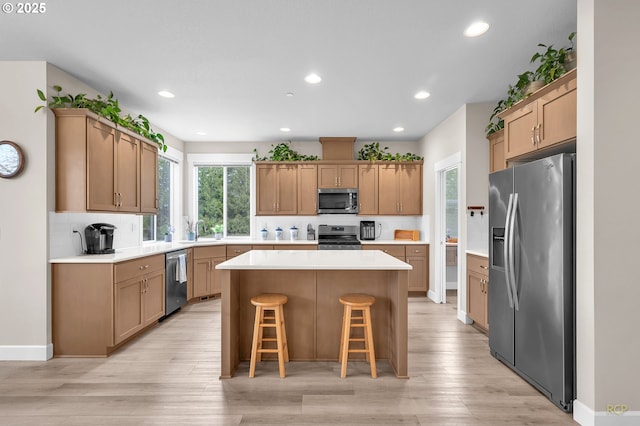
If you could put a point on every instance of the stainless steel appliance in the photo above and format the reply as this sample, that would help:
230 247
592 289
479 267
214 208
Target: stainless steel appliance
367 230
175 280
337 237
338 200
99 238
532 274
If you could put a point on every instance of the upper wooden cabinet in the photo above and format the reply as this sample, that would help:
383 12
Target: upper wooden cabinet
338 175
496 151
148 178
307 189
292 188
545 119
400 189
101 168
276 189
368 189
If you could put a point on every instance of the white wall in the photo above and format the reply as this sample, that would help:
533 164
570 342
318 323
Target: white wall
462 132
608 343
25 200
28 227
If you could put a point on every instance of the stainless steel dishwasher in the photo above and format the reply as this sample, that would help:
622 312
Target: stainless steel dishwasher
175 281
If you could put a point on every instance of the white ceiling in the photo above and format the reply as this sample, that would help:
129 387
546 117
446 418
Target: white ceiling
230 62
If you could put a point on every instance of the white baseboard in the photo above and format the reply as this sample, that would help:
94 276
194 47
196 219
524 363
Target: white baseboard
462 317
26 353
587 417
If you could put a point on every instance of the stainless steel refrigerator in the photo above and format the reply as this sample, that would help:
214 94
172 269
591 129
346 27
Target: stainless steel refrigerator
531 273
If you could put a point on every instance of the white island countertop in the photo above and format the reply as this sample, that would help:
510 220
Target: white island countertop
348 260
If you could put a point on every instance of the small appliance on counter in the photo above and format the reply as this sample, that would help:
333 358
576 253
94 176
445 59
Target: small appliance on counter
311 233
367 230
99 238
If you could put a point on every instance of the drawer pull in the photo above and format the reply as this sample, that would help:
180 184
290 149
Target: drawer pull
484 267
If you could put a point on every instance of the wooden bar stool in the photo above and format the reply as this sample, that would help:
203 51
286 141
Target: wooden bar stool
362 303
272 302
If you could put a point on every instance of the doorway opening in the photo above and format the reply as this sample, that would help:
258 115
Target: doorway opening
447 227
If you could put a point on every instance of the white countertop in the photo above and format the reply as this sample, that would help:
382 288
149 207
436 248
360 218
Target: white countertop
363 260
478 253
392 242
124 254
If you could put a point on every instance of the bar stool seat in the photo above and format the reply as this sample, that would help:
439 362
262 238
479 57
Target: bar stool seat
269 303
361 303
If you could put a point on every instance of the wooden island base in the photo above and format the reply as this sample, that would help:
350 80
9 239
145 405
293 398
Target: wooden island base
313 313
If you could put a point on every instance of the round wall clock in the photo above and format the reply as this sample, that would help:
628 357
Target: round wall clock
11 159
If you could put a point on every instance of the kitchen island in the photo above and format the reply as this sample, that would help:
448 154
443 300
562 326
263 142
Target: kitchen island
313 281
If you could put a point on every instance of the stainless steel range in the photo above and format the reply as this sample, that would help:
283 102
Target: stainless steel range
337 237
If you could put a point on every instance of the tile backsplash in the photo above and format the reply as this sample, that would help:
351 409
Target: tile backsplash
385 225
64 242
478 232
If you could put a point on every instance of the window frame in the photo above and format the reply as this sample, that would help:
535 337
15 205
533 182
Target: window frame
220 160
175 157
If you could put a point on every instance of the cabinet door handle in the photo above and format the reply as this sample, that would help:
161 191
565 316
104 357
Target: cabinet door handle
539 132
484 267
115 199
533 135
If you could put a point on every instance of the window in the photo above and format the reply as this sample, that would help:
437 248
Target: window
223 200
155 226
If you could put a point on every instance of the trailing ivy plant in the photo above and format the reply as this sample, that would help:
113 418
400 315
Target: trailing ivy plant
373 152
283 152
496 123
105 107
551 63
550 66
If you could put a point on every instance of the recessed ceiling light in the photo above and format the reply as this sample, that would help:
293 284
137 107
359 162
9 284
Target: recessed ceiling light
398 129
422 95
285 129
476 29
166 94
313 78
201 133
289 94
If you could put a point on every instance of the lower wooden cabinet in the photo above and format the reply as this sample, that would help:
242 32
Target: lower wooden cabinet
96 307
416 255
140 300
206 279
478 290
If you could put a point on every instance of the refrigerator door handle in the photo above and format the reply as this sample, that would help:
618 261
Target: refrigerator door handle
512 257
506 253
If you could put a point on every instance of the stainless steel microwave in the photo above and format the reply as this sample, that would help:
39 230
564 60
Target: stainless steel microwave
337 200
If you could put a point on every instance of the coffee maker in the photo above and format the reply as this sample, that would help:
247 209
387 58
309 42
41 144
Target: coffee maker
367 230
99 238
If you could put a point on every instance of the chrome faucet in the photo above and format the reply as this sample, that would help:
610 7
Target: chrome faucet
204 228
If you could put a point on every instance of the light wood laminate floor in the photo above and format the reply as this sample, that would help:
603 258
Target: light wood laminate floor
169 376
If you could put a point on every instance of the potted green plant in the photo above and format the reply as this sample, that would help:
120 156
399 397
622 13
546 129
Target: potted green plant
495 122
373 152
217 231
571 58
108 108
283 152
190 229
551 63
168 235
